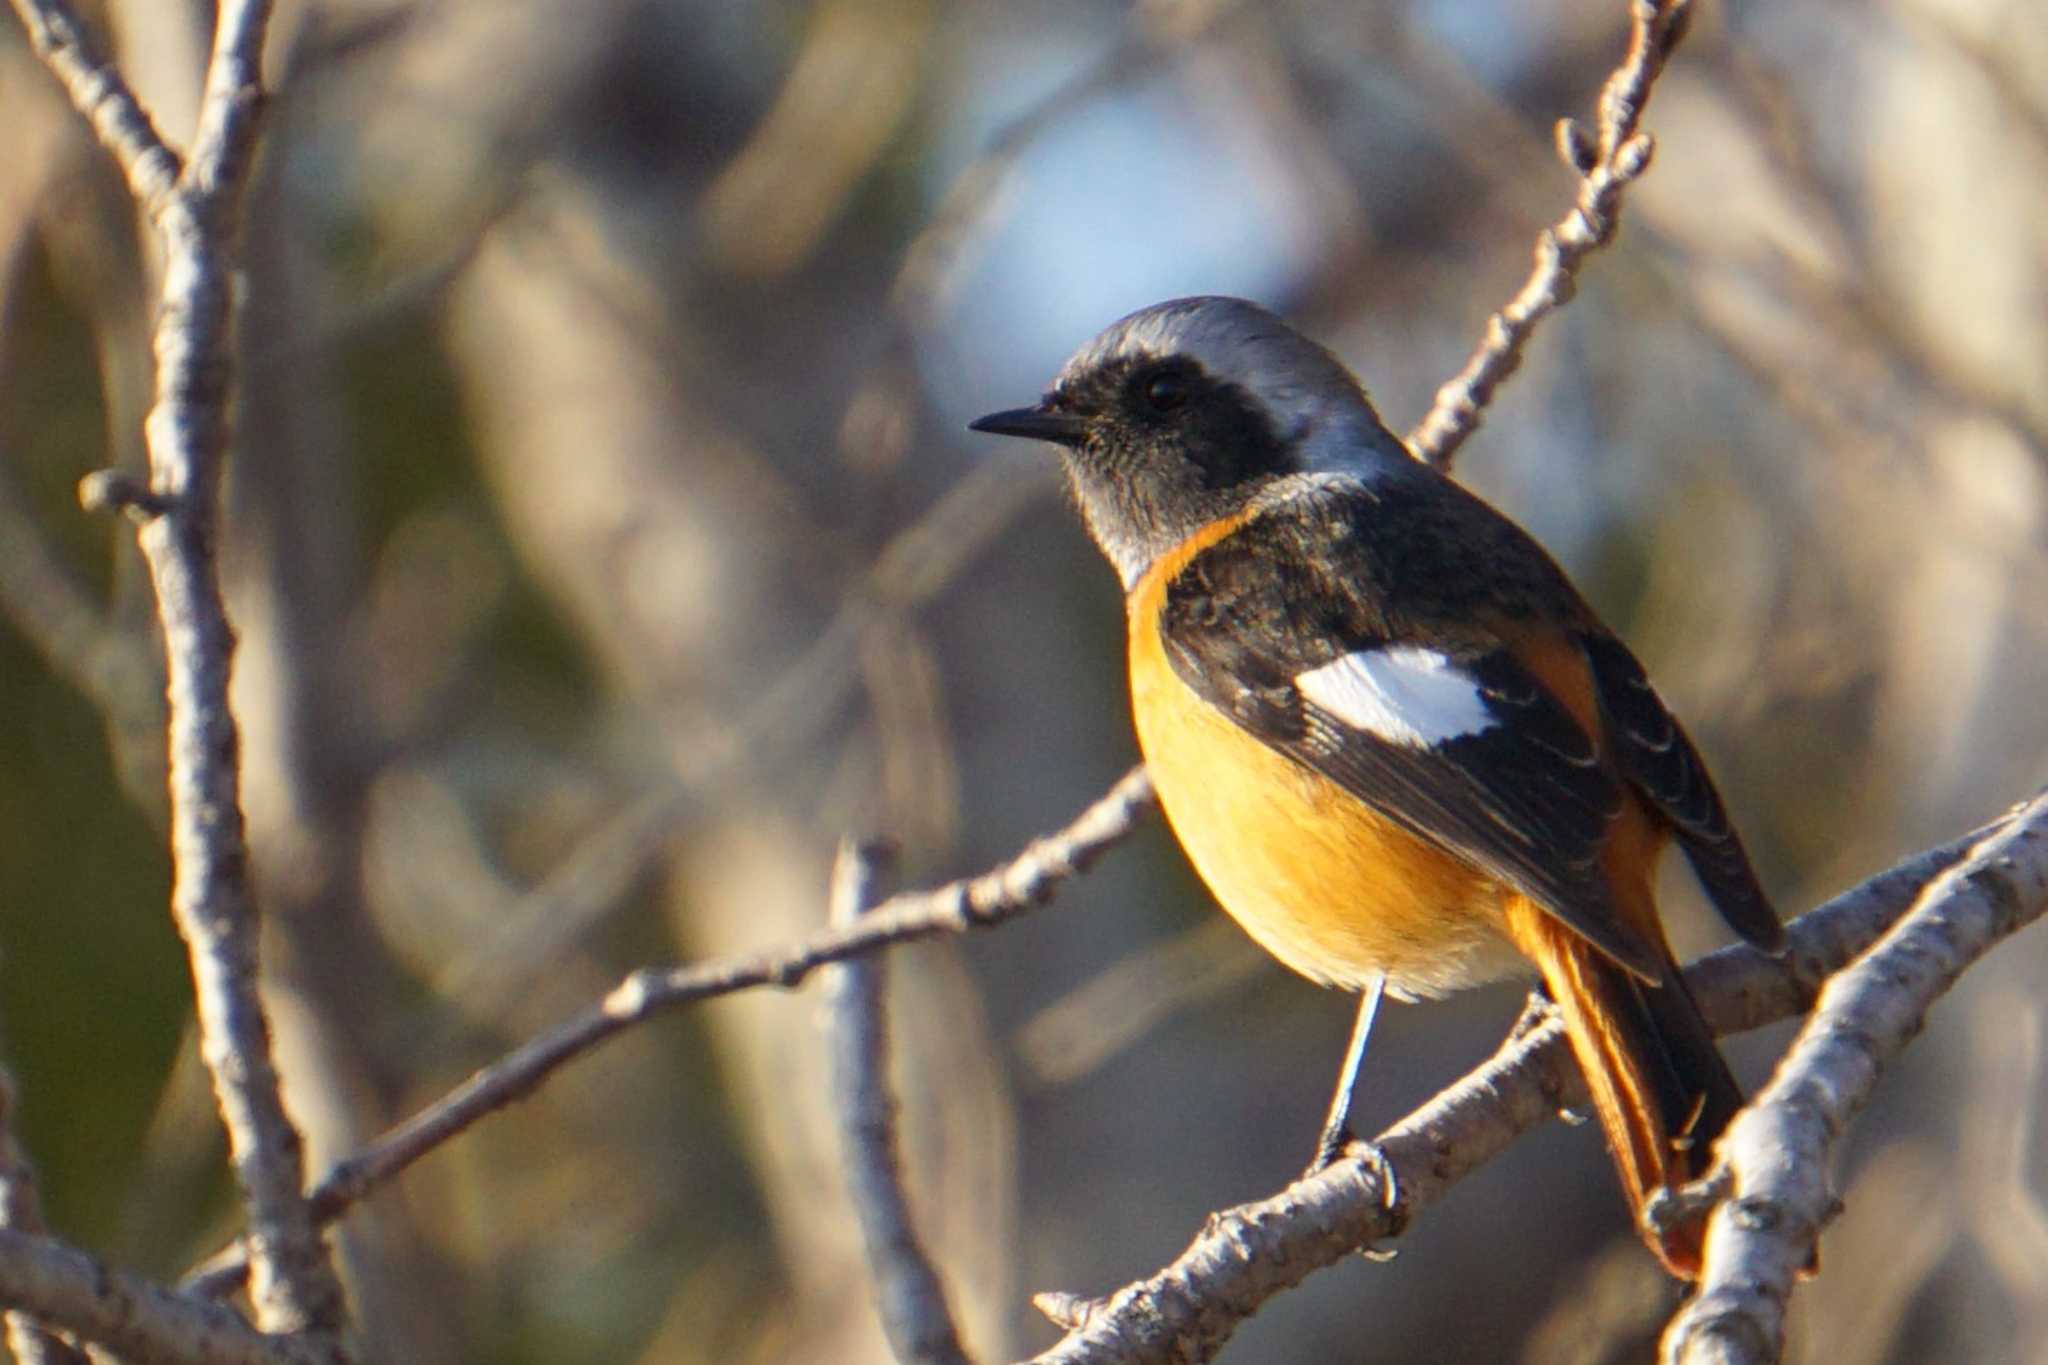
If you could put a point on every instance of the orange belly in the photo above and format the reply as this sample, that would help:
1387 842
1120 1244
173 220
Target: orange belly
1321 881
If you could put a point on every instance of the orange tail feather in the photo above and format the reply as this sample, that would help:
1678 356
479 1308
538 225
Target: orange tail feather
1658 1082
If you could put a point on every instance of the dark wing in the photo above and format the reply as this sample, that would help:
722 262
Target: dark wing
1523 796
1659 760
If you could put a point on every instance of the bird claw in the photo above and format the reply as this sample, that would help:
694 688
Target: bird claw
1340 1144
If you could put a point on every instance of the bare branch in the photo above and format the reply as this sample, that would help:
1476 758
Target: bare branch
20 1211
197 211
132 1317
908 1292
1250 1253
229 108
1776 1155
1247 1254
98 92
980 902
1606 164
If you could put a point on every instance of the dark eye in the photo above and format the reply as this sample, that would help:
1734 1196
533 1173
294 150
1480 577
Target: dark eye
1166 391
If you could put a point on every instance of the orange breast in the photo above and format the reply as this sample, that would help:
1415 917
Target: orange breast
1315 875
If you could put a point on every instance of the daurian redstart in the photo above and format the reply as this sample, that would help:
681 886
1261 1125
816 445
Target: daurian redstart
1392 737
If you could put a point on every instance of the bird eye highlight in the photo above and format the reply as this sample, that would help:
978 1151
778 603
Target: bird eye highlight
1166 391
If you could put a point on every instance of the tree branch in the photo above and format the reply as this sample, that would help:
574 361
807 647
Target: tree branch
98 92
1775 1158
21 1211
132 1317
908 1291
1246 1255
980 902
196 210
1606 164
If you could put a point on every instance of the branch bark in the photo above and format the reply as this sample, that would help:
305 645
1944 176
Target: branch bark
1776 1156
195 207
908 1291
130 1316
993 898
98 91
1186 1311
1606 163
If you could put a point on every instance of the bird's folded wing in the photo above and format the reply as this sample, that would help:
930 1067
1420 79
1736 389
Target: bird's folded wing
1659 760
1468 751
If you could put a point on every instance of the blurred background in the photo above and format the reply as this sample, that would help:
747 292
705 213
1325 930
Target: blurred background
604 543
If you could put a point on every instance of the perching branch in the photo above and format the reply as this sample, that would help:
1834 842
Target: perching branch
1246 1255
1777 1154
196 210
992 898
1606 163
908 1291
1187 1311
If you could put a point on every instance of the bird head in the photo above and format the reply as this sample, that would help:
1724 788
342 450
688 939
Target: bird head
1190 411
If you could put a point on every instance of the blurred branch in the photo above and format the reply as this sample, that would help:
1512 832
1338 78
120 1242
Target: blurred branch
20 1211
1901 1224
981 902
2004 1214
2018 96
912 568
934 258
874 430
1606 163
196 210
908 1292
1098 1019
529 936
1775 1158
585 885
1844 300
1246 1255
848 89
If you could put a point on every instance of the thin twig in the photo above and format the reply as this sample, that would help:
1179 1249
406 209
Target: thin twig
196 210
1246 1255
55 614
1606 164
1777 1154
908 1292
21 1211
974 903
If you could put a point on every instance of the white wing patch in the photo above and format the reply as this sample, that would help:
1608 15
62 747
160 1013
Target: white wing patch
1402 693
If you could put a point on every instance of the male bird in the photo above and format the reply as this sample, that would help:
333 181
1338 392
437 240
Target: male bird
1392 737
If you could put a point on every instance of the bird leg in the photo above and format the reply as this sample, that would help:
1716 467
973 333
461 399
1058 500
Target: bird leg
1337 1134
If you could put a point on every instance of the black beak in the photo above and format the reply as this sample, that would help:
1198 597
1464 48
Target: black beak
1035 424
